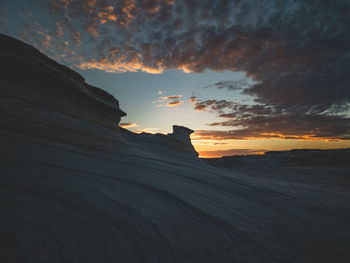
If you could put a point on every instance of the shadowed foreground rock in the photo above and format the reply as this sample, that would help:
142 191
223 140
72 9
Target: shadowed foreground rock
76 188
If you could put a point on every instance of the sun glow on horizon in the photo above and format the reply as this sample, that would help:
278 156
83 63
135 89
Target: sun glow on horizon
219 148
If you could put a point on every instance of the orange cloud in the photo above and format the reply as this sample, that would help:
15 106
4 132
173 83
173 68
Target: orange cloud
169 101
192 99
174 103
59 4
106 14
246 134
128 125
173 97
92 29
91 3
122 12
76 38
127 10
230 152
153 10
46 40
118 64
59 31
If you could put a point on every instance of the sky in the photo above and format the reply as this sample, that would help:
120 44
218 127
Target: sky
248 76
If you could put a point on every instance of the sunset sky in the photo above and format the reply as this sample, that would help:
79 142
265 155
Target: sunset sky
247 75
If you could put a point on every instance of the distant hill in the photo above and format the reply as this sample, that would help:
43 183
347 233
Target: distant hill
298 157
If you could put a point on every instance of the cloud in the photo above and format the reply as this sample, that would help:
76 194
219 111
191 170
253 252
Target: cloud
106 14
169 101
200 107
280 127
214 105
45 40
173 97
76 38
120 64
230 152
174 103
263 121
59 31
230 85
128 125
192 99
90 11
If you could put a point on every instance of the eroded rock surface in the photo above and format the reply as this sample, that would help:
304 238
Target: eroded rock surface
73 188
41 97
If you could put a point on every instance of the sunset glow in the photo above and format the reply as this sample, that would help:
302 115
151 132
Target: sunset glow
248 78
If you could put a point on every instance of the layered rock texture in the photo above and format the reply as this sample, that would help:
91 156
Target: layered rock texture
43 98
76 188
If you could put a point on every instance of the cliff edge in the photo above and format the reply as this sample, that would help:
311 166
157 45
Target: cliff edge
38 96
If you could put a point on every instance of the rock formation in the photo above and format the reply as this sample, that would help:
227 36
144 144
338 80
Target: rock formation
75 188
41 97
181 134
164 146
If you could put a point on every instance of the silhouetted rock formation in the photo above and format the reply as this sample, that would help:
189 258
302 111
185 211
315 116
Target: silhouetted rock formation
176 146
181 134
43 98
74 188
30 80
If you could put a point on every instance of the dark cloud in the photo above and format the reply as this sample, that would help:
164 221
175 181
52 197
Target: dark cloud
267 121
295 52
230 85
305 127
214 105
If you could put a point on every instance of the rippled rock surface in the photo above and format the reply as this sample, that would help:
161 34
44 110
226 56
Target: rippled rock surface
76 188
